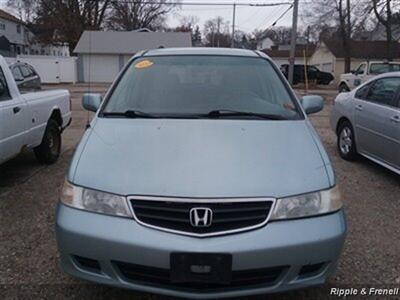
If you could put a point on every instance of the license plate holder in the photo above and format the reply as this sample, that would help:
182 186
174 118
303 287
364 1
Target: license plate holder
201 268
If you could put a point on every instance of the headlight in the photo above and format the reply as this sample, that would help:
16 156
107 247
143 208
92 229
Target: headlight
95 201
307 205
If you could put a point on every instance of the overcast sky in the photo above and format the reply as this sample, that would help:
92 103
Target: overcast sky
247 18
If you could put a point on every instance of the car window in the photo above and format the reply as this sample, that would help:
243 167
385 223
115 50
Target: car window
4 91
195 84
360 69
383 91
312 69
380 68
361 93
26 72
17 73
32 70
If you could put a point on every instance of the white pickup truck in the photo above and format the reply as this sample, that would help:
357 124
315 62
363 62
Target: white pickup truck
31 120
364 72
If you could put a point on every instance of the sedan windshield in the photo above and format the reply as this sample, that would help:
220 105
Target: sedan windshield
198 86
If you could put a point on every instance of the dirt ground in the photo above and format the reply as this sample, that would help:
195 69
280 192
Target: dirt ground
29 194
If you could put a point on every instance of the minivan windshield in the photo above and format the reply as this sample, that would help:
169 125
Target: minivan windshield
201 86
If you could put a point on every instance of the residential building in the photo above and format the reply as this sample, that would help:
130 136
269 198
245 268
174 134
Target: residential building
329 55
102 54
14 36
280 54
265 43
56 49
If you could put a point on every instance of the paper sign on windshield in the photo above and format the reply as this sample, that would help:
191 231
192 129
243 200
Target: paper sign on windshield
144 64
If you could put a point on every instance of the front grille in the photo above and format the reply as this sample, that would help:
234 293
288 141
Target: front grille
161 278
227 215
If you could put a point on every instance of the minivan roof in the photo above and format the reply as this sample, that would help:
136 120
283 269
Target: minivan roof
201 51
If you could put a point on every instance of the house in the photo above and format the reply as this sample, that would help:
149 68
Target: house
102 54
14 36
55 49
280 54
329 55
265 43
17 39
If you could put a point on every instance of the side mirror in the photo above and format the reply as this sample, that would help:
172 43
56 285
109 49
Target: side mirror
312 104
91 102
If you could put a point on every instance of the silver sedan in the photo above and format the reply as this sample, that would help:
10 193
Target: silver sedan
367 121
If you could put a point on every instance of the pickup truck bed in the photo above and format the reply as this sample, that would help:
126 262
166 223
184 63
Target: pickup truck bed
31 120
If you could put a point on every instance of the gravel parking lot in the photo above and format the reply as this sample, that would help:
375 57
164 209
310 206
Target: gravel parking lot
29 194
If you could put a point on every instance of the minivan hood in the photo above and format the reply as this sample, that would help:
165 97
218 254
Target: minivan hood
200 158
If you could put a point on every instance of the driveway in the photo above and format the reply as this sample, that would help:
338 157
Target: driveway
29 194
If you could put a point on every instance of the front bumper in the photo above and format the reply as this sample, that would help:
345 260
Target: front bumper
108 239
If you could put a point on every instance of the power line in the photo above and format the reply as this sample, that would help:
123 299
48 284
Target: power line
282 15
254 4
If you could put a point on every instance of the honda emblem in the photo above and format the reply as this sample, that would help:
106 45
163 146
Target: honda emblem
201 217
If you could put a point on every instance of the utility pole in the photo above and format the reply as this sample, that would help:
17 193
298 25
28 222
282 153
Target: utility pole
233 26
293 41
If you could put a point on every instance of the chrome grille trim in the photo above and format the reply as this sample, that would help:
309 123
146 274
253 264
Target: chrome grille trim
203 201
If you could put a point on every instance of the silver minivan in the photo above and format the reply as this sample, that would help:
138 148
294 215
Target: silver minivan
201 176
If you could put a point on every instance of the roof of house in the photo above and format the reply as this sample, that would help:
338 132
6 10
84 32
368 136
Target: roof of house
7 16
129 42
299 52
363 49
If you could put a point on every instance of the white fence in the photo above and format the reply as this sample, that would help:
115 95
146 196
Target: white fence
51 69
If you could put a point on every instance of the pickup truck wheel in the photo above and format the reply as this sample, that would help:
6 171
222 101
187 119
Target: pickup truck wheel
343 88
49 150
346 142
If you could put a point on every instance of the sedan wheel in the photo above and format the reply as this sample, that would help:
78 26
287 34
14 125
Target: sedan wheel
346 142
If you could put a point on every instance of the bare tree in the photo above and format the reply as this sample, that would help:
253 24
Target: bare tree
384 13
25 8
341 15
64 21
130 15
216 32
189 24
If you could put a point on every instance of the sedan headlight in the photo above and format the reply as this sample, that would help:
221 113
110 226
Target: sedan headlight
306 205
96 201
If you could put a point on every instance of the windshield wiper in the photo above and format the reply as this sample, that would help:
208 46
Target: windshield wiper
130 114
233 113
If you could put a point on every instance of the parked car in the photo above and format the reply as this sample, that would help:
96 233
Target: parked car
25 76
31 120
313 74
367 121
364 72
201 176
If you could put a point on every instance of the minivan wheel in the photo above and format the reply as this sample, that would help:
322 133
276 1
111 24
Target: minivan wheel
49 150
346 141
343 88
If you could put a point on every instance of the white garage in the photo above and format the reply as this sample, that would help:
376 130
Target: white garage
102 54
99 67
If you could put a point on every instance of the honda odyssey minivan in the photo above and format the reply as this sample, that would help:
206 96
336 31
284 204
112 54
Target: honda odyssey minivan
201 176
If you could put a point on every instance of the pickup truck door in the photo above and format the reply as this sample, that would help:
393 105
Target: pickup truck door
359 75
377 120
12 121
